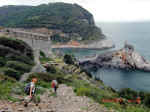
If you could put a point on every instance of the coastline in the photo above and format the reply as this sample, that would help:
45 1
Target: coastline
100 45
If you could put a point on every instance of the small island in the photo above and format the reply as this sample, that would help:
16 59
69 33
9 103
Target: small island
125 58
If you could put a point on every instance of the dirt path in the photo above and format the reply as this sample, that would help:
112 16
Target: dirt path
66 101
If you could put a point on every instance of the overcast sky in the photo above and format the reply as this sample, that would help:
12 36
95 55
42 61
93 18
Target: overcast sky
103 10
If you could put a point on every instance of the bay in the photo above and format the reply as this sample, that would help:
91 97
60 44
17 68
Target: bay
137 34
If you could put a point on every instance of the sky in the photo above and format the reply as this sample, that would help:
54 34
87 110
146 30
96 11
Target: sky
102 10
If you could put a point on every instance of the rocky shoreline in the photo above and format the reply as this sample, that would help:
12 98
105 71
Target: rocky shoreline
125 58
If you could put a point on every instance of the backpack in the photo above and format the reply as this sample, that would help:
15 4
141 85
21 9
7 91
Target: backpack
27 89
54 83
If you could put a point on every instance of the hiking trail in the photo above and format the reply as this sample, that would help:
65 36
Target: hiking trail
65 101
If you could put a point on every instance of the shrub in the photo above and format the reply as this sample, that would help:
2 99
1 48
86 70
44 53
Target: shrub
146 100
51 69
2 61
82 91
22 58
68 59
45 59
6 51
19 66
4 78
12 73
5 89
47 77
42 54
37 99
40 90
41 76
128 93
44 84
17 45
18 89
142 95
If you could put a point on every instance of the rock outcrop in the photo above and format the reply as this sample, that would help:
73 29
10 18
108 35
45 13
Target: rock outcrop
126 58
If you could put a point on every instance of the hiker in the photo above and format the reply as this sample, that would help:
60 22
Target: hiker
30 90
54 85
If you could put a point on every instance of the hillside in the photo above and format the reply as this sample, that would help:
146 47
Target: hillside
71 19
16 57
77 92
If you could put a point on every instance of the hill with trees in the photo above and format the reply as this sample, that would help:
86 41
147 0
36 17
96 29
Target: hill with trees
70 19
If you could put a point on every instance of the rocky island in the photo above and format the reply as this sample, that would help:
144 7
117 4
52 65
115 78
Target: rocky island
125 58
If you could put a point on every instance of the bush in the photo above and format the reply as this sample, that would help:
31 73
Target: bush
47 77
146 100
37 99
18 89
44 84
45 60
19 66
5 89
68 59
17 45
12 73
22 58
4 78
51 69
82 91
2 61
128 93
42 54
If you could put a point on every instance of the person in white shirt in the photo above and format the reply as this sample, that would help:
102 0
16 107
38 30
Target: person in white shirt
31 96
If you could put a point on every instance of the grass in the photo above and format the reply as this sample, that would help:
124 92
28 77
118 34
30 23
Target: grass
5 89
45 59
84 88
81 87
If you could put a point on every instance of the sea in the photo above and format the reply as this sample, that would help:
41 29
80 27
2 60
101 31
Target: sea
135 33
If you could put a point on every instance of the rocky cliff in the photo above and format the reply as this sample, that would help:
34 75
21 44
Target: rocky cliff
126 58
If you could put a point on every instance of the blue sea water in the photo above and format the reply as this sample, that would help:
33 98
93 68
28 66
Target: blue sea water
137 34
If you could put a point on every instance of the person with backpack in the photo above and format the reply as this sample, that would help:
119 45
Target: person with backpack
30 90
54 85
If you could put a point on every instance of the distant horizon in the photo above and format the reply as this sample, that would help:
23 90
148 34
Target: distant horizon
102 10
123 21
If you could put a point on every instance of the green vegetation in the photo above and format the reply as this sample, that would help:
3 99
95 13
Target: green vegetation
42 54
12 73
131 94
70 19
96 90
22 67
6 85
9 87
17 45
16 57
83 85
68 59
